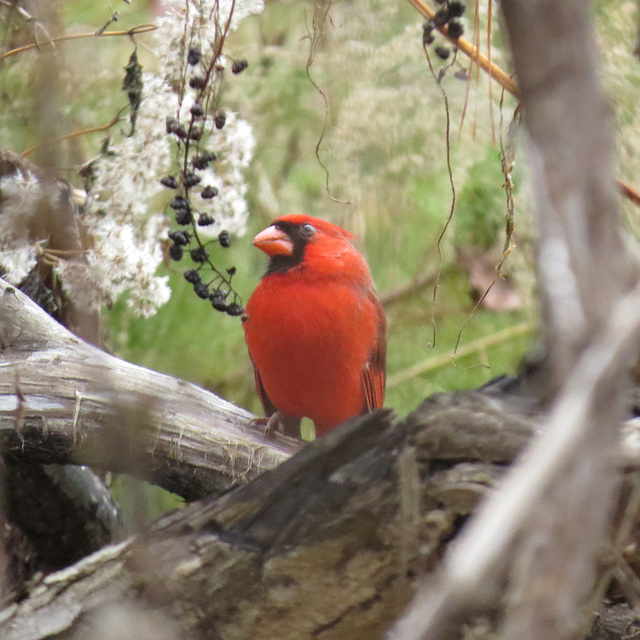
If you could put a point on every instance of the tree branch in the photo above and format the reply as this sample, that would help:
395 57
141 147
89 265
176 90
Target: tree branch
327 545
64 401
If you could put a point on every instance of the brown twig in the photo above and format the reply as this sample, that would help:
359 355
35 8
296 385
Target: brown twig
134 31
74 134
506 81
468 49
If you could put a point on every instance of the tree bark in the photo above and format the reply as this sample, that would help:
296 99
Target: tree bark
590 302
327 545
331 544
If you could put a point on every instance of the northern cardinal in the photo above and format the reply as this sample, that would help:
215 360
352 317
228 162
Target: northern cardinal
314 327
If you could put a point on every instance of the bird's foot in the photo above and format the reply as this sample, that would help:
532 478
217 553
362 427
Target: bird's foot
281 423
274 423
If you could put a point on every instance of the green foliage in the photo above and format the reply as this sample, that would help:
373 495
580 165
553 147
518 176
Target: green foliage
478 221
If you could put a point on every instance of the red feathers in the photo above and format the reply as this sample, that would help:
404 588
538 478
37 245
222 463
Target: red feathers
315 328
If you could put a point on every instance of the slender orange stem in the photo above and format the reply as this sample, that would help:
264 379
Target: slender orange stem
468 49
134 31
505 81
74 134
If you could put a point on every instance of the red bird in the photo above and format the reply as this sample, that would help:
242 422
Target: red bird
314 327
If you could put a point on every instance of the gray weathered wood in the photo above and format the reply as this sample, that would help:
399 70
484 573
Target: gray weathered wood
65 401
327 545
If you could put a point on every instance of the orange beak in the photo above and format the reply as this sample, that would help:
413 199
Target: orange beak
274 242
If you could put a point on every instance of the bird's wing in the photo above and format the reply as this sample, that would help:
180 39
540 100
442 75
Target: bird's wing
267 405
289 425
374 374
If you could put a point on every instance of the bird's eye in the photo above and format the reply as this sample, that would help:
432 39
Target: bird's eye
307 230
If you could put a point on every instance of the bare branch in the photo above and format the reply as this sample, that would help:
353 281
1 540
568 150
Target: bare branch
64 401
319 547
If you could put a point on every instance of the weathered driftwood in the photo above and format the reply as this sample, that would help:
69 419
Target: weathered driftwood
64 401
327 545
330 545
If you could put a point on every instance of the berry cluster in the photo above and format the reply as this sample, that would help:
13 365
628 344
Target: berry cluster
447 17
187 183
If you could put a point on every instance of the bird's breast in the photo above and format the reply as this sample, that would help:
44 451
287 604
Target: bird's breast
310 342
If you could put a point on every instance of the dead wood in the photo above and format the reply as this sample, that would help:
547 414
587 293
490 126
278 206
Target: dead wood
65 401
327 545
332 543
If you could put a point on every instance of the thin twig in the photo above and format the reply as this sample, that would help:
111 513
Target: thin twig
74 134
134 31
320 14
481 344
438 78
391 297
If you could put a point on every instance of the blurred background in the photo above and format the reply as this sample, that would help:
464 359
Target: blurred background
350 124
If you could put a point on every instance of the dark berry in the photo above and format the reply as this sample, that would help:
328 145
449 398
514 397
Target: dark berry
176 252
195 133
183 216
179 202
194 56
171 124
219 304
220 119
197 82
231 271
197 110
224 238
170 182
190 179
441 18
235 309
222 293
439 1
442 52
427 32
192 276
204 220
202 161
180 237
199 254
456 29
201 289
239 66
456 8
209 192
